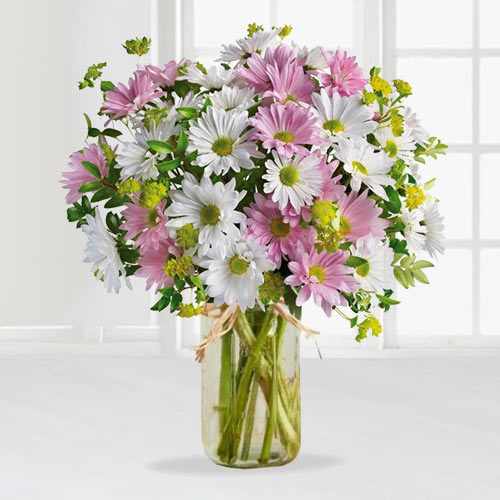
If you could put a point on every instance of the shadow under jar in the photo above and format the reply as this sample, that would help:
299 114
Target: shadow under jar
251 392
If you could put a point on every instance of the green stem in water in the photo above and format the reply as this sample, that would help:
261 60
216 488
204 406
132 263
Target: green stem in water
226 381
250 419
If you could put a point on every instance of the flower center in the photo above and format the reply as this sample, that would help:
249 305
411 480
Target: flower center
152 218
284 136
334 126
289 175
323 212
415 196
209 215
318 272
359 167
345 226
363 270
279 228
391 148
223 146
238 265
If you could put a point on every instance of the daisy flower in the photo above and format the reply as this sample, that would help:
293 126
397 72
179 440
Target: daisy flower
332 188
287 128
373 276
245 47
229 98
294 180
414 232
267 225
360 217
434 229
323 276
214 78
417 132
220 141
148 225
289 83
102 253
210 208
162 75
365 165
190 100
78 175
152 264
342 116
396 146
312 59
345 76
234 278
123 99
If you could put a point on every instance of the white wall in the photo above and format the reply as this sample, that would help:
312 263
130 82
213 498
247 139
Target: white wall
46 47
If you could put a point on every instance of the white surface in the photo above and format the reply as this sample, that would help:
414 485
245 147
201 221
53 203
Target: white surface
128 428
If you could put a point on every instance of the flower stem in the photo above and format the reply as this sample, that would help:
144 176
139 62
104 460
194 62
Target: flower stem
250 419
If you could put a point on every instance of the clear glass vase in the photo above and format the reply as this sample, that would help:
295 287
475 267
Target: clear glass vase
251 392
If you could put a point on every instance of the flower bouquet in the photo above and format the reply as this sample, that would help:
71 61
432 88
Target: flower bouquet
240 192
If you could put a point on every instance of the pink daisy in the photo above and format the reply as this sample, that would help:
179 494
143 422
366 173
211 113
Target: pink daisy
152 265
323 275
162 75
289 83
267 226
331 189
148 225
77 176
123 100
286 127
345 77
360 217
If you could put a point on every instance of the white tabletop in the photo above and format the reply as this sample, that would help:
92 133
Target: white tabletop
128 428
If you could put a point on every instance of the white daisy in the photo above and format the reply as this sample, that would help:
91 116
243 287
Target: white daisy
314 59
190 100
296 180
396 146
230 98
366 165
417 132
414 232
211 208
245 47
102 253
235 278
342 116
215 77
220 141
434 235
373 275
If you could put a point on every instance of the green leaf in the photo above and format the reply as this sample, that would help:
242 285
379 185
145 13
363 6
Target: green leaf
87 121
394 203
175 301
160 147
188 113
115 201
90 186
167 166
419 275
91 168
182 142
111 132
94 132
74 214
103 194
164 300
93 73
137 46
107 85
113 222
422 264
354 261
400 275
87 207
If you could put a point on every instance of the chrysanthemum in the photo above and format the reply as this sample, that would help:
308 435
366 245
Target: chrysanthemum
190 100
360 217
295 180
372 275
102 253
287 128
267 226
323 276
414 232
396 146
434 229
211 208
345 76
229 98
162 75
289 83
313 59
234 278
152 264
366 166
331 188
78 175
214 78
123 99
220 141
417 132
148 225
245 47
342 116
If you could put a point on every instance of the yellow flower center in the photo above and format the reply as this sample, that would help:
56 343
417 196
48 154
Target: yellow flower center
284 136
289 175
279 228
223 146
334 126
415 196
238 265
391 148
345 226
318 272
323 212
210 215
359 167
152 218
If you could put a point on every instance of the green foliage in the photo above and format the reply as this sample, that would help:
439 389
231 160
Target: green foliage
160 147
393 205
137 46
78 211
370 324
167 165
93 73
402 88
253 28
273 288
386 300
432 149
408 270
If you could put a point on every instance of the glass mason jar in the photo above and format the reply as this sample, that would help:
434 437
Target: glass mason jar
251 392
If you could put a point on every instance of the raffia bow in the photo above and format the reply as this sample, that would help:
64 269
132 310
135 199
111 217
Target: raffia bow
225 317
